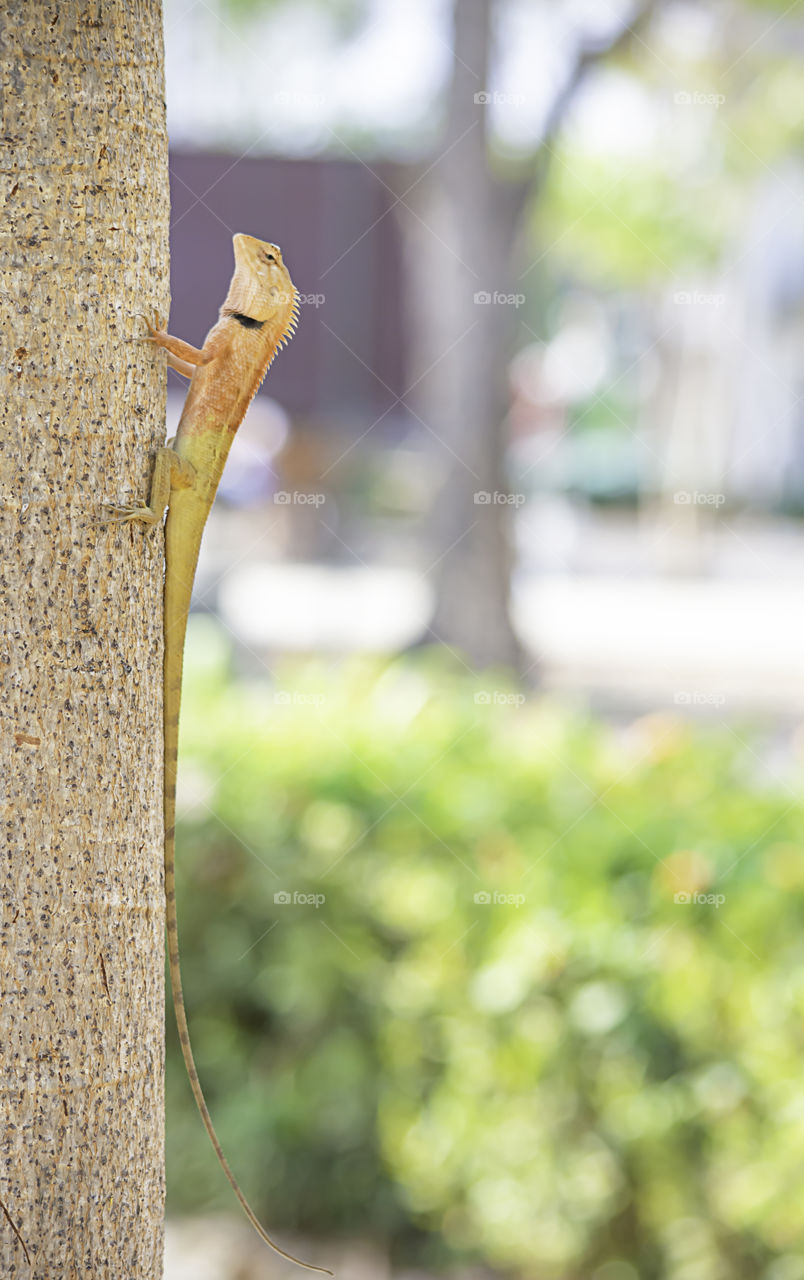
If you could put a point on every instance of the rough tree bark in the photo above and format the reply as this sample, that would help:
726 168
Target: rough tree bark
83 185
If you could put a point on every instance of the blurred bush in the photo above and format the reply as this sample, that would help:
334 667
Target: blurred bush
549 1011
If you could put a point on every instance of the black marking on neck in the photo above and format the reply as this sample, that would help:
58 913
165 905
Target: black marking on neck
248 322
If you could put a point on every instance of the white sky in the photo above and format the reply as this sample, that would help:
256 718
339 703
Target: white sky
283 83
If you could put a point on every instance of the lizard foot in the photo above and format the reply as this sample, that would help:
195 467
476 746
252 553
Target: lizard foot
120 514
156 334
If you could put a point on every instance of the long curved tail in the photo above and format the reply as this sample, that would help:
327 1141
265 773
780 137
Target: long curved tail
176 608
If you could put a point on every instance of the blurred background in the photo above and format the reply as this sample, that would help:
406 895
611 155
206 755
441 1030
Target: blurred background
491 817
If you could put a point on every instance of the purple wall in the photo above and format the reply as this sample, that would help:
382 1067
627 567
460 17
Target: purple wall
316 210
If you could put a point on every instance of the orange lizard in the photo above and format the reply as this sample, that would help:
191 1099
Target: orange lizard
258 317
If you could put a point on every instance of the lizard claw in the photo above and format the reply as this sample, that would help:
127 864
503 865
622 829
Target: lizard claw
155 333
114 513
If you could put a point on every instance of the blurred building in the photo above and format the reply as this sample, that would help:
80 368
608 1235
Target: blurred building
318 211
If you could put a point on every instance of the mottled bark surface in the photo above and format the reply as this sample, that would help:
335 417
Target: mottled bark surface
83 246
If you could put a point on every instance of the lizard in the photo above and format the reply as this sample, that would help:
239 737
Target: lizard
258 316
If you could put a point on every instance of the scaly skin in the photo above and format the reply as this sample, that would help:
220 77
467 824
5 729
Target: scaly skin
257 317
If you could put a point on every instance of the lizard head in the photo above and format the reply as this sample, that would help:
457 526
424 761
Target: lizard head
261 286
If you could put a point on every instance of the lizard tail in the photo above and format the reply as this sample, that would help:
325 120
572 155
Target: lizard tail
174 651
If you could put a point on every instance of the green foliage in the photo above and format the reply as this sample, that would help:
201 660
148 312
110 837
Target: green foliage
345 16
723 120
629 225
582 1076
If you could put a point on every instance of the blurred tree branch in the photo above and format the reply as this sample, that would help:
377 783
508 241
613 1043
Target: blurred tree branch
461 222
588 57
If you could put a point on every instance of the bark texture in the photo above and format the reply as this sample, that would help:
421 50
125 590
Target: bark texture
83 247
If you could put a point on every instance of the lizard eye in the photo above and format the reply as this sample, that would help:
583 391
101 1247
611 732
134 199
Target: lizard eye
269 257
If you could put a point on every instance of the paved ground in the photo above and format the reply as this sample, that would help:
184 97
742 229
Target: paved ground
226 1248
707 647
704 646
610 606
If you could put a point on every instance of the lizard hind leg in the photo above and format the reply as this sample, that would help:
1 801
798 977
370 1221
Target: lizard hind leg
170 472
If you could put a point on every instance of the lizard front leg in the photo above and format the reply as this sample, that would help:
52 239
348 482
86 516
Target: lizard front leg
181 366
180 354
170 472
183 356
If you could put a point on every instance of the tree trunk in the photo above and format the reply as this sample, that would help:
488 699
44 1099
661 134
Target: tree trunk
462 239
84 247
458 245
